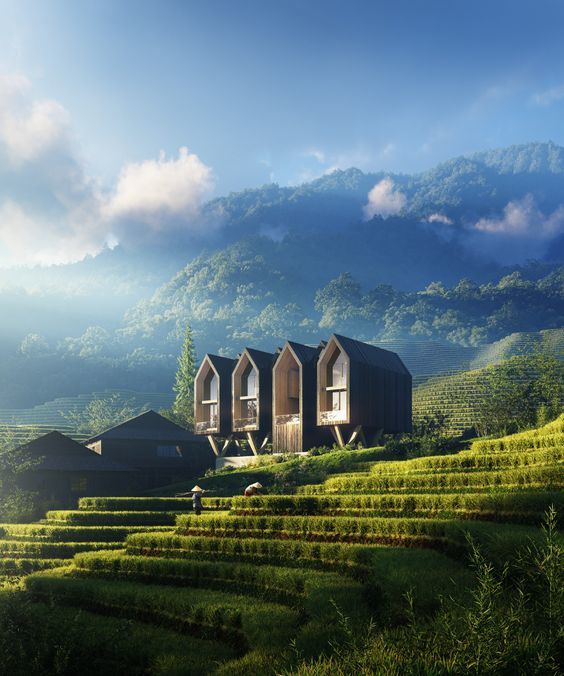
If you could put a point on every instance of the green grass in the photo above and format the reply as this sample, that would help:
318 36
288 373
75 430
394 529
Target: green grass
518 507
547 477
148 504
22 566
75 517
38 532
311 469
50 638
50 550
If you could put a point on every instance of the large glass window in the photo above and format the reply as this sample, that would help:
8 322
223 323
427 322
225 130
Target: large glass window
249 382
338 400
210 387
337 371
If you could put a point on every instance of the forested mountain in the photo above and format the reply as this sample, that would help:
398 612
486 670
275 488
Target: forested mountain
465 253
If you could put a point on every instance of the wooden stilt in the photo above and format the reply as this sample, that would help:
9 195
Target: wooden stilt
214 445
252 443
264 442
226 445
357 430
339 436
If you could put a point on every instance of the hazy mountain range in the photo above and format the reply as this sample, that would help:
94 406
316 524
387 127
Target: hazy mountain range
261 260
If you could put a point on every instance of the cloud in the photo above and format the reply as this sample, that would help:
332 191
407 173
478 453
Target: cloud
521 233
28 128
548 96
156 191
316 154
439 218
53 211
384 200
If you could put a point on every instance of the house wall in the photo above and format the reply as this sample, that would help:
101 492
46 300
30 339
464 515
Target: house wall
61 488
154 470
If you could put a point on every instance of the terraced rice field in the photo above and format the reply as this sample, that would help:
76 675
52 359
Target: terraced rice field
257 585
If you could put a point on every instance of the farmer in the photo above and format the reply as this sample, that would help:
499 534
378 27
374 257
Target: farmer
253 489
197 506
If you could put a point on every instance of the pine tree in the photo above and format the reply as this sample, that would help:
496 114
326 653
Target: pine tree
183 407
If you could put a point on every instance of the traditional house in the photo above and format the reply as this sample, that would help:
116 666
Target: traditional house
252 397
294 424
161 451
62 470
362 391
212 401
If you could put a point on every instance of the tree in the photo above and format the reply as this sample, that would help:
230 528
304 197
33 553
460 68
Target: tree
183 407
16 504
517 393
101 414
34 345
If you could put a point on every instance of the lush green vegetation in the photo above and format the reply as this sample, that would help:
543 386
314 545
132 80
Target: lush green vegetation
456 571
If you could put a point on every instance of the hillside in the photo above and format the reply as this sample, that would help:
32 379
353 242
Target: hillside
300 261
268 583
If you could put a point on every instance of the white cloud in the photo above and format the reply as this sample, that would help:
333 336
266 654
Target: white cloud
29 128
154 191
549 96
316 154
384 200
439 218
53 211
521 233
522 218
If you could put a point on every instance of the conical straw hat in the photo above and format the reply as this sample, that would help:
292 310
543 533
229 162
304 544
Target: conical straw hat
197 489
256 485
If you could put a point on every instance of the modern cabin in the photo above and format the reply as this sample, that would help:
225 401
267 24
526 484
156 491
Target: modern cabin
294 425
252 397
212 401
60 470
363 391
161 451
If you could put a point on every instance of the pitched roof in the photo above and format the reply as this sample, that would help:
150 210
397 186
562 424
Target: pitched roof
370 354
57 452
304 353
263 360
223 365
148 426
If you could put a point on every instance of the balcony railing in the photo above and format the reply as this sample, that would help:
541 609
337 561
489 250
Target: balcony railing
245 423
206 426
332 417
291 419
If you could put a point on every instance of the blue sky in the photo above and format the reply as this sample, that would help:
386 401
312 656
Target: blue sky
274 91
261 89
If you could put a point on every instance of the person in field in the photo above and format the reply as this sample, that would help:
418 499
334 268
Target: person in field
253 489
197 506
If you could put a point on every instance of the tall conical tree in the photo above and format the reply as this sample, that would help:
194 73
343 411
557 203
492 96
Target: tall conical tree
184 386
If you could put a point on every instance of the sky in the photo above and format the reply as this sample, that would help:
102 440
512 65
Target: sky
132 112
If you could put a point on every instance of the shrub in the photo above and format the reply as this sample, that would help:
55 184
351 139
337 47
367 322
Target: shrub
44 532
92 518
148 504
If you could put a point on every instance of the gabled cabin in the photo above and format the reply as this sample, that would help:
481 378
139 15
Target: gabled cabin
363 391
294 426
61 470
212 399
161 451
252 397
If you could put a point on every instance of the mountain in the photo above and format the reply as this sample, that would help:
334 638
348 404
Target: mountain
379 256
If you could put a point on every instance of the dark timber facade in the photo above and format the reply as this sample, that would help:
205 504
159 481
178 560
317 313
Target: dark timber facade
252 397
362 391
212 401
161 451
294 427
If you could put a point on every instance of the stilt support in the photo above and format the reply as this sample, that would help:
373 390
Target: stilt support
338 435
214 445
252 443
